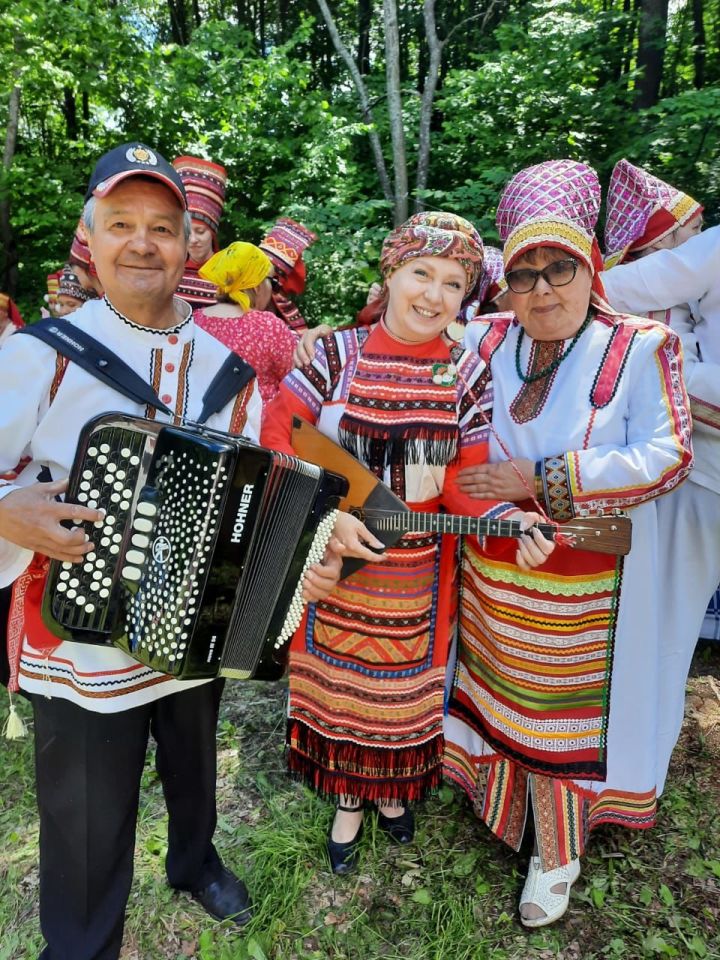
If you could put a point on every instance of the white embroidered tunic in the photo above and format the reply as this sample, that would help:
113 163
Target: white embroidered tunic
179 363
609 428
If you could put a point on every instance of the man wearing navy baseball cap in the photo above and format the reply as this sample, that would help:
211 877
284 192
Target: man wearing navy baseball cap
94 706
132 159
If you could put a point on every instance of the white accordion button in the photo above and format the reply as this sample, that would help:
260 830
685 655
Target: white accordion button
131 573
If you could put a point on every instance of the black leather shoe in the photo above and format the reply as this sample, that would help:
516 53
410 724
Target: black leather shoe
226 898
344 856
400 829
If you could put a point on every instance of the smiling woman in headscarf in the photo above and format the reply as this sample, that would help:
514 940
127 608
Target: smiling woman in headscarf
367 668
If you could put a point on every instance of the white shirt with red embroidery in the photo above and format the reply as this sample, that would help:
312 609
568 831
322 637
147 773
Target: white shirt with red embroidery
180 362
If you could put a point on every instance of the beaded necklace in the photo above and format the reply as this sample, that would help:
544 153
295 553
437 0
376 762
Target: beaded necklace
538 375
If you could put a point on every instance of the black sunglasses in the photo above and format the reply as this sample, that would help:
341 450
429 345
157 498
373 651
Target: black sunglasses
558 274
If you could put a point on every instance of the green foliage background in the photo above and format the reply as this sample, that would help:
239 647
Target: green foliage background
257 86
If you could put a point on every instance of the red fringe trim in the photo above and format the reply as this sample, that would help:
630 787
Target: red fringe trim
332 768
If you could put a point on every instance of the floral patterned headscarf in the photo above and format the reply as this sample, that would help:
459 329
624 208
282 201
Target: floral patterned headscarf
434 234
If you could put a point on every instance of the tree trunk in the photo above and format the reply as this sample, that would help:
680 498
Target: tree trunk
70 113
261 27
394 100
6 231
428 96
629 38
85 114
365 107
284 28
178 21
364 14
699 44
651 51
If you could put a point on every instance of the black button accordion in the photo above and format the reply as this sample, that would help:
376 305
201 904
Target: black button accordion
197 567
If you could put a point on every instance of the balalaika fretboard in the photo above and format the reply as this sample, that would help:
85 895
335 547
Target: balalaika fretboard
198 564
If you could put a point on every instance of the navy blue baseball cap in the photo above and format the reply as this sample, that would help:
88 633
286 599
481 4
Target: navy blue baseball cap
133 159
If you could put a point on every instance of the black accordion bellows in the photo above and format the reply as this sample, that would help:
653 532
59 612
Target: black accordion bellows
198 564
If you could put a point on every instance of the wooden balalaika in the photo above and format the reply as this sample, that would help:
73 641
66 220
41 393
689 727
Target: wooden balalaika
388 517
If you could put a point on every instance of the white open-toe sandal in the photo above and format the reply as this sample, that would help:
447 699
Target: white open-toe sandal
538 891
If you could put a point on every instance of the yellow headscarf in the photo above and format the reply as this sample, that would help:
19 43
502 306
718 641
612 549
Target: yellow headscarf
237 269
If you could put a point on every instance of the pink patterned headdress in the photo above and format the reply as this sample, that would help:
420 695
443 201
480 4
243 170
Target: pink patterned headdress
642 209
491 284
555 203
80 251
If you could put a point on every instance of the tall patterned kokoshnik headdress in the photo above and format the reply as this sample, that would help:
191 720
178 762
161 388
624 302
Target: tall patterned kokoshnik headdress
285 244
642 209
204 183
552 204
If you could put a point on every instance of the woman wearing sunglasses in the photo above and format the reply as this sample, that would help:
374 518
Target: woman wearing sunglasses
553 716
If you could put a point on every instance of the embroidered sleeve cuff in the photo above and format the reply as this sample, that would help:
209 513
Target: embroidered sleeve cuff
553 476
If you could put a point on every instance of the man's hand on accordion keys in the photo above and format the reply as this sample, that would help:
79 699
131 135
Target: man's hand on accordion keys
32 518
321 578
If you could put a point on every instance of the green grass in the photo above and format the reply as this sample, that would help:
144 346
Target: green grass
452 895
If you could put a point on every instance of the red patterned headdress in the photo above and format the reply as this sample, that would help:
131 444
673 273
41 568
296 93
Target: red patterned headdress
285 245
434 234
552 204
204 183
7 303
80 251
642 209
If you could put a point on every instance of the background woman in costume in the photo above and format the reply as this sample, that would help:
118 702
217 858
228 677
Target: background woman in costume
666 268
240 319
367 669
285 244
592 410
204 183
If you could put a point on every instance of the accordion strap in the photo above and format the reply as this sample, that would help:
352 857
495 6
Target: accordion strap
96 359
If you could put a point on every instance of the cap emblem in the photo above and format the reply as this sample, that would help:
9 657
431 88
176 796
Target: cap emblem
141 155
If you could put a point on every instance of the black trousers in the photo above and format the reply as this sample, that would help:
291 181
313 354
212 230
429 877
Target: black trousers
88 768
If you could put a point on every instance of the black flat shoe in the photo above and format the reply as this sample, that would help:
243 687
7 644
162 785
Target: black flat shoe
344 855
400 829
226 898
